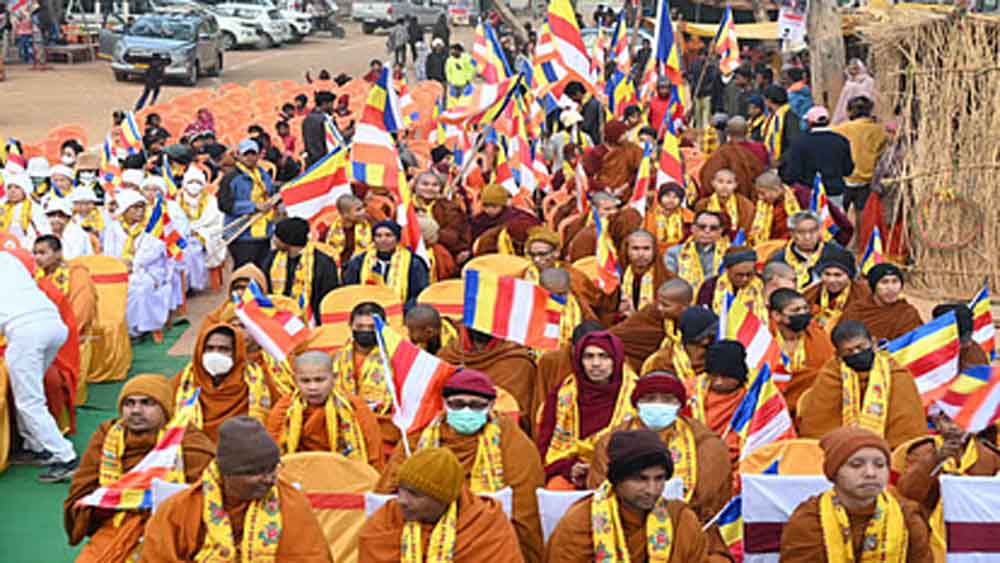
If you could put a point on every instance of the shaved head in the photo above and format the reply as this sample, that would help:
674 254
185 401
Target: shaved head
347 202
736 127
676 290
555 280
641 233
314 358
422 314
769 179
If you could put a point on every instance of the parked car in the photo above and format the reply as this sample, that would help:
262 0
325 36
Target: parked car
274 29
237 32
300 22
191 40
385 13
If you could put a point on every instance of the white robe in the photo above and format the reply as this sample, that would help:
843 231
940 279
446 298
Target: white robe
178 269
75 242
149 287
37 226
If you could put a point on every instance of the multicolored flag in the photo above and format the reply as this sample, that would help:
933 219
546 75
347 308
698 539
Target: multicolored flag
643 179
983 331
820 205
981 409
727 45
738 322
167 172
620 93
278 332
317 189
619 51
131 134
331 135
730 522
666 60
608 272
963 386
512 309
374 156
671 167
503 174
873 252
930 352
491 61
762 416
485 104
568 42
110 171
159 226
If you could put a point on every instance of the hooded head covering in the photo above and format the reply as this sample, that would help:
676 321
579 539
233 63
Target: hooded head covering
727 357
838 446
231 385
126 198
631 451
882 270
607 342
249 271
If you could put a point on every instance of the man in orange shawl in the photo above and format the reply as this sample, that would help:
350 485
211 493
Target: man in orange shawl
299 421
641 524
736 208
542 248
885 312
857 462
739 278
720 391
146 405
862 387
620 160
436 516
493 451
837 289
669 220
733 156
643 273
645 332
969 353
351 232
559 285
804 343
581 234
442 264
776 202
683 352
230 386
239 510
700 458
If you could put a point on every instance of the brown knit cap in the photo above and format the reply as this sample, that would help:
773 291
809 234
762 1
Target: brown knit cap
631 451
434 472
245 447
541 233
494 194
152 385
841 444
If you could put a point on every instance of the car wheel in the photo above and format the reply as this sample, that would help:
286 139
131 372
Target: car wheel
192 77
121 76
367 28
228 41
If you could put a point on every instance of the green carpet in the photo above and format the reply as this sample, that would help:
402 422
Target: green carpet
31 512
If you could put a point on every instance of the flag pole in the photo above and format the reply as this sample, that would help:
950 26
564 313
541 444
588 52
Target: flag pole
389 381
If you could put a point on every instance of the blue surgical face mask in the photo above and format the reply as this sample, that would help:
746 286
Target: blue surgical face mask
657 416
466 421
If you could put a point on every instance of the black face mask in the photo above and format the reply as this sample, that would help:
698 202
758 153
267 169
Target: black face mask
798 323
433 345
861 361
364 338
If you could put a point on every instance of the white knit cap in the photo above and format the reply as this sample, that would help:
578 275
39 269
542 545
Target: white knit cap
127 198
83 194
194 174
38 167
59 205
154 182
133 176
61 170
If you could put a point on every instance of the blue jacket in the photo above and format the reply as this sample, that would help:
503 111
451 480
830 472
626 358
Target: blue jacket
235 202
801 102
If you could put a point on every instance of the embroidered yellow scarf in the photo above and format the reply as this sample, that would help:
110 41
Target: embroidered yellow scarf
939 540
678 354
259 395
59 277
763 218
93 220
441 547
871 412
689 263
132 235
572 316
281 373
338 240
797 356
886 537
342 428
732 209
802 267
399 271
258 194
646 289
303 275
370 384
24 221
774 127
262 525
566 440
505 245
608 533
830 314
669 226
752 295
487 470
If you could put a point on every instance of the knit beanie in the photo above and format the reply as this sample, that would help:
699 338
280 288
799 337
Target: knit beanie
882 270
393 226
631 451
696 322
728 358
541 233
833 257
494 194
293 231
738 254
840 444
245 447
152 385
659 382
470 381
434 472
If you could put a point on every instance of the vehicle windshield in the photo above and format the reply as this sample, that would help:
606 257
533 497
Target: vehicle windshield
163 28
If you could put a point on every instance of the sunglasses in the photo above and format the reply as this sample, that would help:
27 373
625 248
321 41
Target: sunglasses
459 404
705 227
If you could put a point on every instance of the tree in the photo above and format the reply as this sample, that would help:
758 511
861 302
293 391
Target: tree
826 51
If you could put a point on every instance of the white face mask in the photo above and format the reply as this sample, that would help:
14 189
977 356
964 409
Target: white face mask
194 188
68 160
88 177
216 363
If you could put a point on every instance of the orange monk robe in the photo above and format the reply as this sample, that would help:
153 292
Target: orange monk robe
583 242
642 333
82 297
663 360
507 363
247 271
109 543
917 481
62 378
719 409
821 409
231 396
176 532
552 368
483 533
856 291
663 243
445 267
802 536
713 480
619 168
454 232
744 165
517 229
314 436
522 472
818 350
660 275
884 321
573 539
745 211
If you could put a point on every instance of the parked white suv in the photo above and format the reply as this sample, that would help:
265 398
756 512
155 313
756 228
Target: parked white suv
273 28
237 32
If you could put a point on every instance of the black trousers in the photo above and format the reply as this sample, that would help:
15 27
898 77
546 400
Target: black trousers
153 89
255 251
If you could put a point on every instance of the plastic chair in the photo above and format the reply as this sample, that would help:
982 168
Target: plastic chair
446 296
329 338
800 456
5 418
71 131
335 308
498 264
112 355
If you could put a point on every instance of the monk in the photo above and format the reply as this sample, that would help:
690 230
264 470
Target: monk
777 275
857 462
970 354
735 207
317 417
145 406
701 459
238 282
620 160
496 211
953 451
559 284
643 273
542 248
435 514
493 451
554 365
885 312
806 247
806 345
441 264
684 354
230 386
862 387
740 279
581 234
837 288
669 220
426 328
350 233
239 510
720 391
586 404
455 234
506 238
701 255
733 156
508 364
776 202
641 525
646 331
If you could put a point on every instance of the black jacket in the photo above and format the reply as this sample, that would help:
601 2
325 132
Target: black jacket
593 120
324 279
819 150
435 66
314 136
417 278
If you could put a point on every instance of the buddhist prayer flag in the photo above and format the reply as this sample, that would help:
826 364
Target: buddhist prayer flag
504 175
820 205
484 105
277 331
981 409
316 190
730 522
568 42
168 177
131 134
618 51
620 93
983 331
608 272
110 170
737 322
671 168
374 156
415 379
727 46
512 309
666 59
762 416
930 352
643 179
491 61
873 252
331 135
964 386
160 226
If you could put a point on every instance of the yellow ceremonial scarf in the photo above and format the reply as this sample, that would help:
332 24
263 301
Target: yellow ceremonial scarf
669 226
193 212
399 271
572 316
259 395
370 384
939 541
566 440
303 275
752 295
802 267
683 449
281 373
94 220
131 237
261 525
487 470
59 277
886 537
763 218
757 123
441 547
797 358
689 262
871 412
732 209
342 428
774 128
258 194
7 217
609 535
338 240
646 289
505 245
829 314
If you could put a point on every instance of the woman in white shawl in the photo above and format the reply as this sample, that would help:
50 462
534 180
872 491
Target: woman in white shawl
205 249
858 83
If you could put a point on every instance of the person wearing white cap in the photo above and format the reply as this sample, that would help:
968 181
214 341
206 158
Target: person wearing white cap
61 178
205 250
569 132
132 178
39 171
86 211
19 215
74 240
154 189
248 191
146 258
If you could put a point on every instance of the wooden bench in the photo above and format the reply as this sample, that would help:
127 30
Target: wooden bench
70 53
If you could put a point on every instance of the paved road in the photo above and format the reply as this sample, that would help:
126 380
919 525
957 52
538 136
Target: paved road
36 101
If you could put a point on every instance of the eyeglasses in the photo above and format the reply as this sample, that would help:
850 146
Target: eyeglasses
459 404
540 254
705 227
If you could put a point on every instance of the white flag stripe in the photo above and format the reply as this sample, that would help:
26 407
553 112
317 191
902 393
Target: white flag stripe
522 307
420 376
770 433
262 337
937 377
984 414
